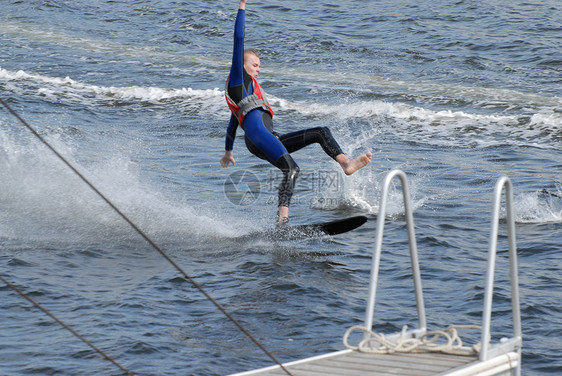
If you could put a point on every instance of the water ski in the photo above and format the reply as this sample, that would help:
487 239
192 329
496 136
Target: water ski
293 232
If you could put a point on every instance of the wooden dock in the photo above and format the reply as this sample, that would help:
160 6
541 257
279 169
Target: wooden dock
354 363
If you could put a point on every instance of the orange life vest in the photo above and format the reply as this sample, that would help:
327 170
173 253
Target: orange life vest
257 100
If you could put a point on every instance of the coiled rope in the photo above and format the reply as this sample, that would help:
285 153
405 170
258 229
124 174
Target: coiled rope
148 240
378 344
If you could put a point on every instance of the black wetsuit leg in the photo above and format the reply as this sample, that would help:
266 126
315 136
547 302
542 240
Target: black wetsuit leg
297 140
290 173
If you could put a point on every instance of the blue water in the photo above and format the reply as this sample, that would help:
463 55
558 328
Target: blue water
131 92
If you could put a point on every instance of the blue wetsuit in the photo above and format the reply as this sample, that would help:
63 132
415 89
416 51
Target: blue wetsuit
260 138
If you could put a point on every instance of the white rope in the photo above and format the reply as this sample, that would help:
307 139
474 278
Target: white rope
378 344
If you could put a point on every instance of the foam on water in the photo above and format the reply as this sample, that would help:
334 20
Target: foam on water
537 207
41 198
442 127
436 127
69 90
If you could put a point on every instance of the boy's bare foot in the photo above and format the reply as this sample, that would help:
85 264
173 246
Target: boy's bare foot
351 165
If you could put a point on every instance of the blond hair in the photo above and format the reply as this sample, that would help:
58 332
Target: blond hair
251 51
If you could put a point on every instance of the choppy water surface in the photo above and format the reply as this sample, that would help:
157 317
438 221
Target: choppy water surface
455 94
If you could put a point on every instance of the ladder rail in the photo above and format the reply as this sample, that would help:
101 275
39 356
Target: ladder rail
369 314
503 182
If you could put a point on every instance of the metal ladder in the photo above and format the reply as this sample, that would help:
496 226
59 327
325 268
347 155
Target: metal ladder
422 325
487 351
514 343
